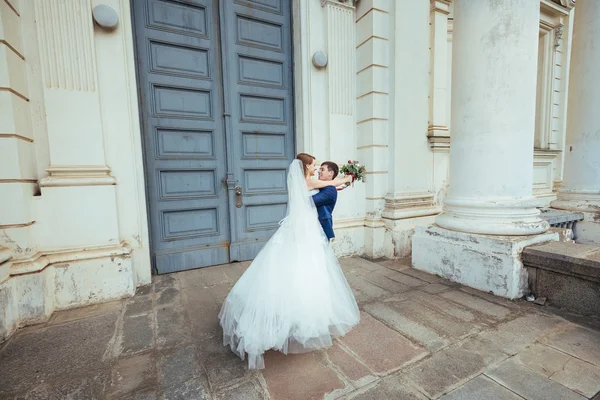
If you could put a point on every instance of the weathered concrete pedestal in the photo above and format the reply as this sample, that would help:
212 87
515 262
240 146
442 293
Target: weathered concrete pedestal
484 262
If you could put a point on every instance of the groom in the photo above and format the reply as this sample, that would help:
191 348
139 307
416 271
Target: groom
327 197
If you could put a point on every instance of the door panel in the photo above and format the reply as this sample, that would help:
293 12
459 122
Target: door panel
259 68
180 86
214 107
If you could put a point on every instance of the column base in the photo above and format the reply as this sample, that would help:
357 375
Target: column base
577 201
399 233
487 263
375 244
492 217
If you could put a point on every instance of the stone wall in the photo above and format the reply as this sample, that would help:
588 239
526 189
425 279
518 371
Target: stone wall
18 178
73 225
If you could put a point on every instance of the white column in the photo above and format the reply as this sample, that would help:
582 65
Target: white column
437 131
580 190
493 118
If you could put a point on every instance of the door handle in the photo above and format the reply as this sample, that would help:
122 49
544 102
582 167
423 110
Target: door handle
238 196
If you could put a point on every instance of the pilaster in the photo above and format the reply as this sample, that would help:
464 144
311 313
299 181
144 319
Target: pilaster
341 77
409 198
17 159
373 41
72 102
79 189
17 162
437 129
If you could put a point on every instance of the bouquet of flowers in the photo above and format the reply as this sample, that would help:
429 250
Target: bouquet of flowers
355 170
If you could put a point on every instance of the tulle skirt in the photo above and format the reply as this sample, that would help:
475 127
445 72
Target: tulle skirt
293 298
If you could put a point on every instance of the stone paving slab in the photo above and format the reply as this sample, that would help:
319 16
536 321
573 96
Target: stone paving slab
42 359
353 369
529 384
476 303
518 334
453 366
397 265
250 390
386 283
391 387
578 342
443 323
514 304
436 288
403 278
481 388
133 374
299 377
579 376
391 314
571 372
455 310
420 337
379 347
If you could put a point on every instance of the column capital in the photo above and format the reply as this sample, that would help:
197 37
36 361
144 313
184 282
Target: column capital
566 3
409 205
441 6
340 3
438 137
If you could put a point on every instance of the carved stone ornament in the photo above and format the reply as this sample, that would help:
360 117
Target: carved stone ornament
558 32
351 3
566 3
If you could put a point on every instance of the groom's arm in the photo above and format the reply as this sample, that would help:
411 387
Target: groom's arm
327 195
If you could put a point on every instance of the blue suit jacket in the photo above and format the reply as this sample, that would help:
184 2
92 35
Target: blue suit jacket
325 202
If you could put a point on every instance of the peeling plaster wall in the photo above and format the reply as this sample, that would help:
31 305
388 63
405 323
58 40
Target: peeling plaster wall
73 214
484 262
93 281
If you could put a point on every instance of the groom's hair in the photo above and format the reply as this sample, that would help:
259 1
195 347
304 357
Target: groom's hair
333 167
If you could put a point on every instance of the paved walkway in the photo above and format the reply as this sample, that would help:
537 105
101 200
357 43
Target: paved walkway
420 337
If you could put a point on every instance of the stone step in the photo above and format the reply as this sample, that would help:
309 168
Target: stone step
567 274
558 218
562 221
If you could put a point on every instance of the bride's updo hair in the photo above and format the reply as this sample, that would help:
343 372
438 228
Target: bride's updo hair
306 159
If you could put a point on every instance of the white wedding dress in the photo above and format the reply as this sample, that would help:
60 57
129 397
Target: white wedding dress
294 296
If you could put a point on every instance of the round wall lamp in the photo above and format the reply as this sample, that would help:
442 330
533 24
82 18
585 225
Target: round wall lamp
319 59
106 17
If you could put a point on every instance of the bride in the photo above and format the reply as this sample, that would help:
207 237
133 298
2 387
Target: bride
294 297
